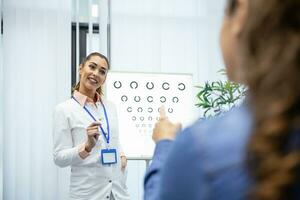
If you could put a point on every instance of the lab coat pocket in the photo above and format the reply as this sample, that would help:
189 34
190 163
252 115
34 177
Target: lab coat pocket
80 185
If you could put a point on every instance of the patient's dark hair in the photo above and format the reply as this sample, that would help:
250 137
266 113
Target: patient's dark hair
270 42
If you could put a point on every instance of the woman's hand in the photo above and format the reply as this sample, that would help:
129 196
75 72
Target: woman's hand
123 163
164 129
92 132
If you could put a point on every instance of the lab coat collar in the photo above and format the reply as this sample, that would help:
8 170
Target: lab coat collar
83 99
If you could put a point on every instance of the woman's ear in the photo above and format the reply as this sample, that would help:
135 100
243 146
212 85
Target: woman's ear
240 17
80 69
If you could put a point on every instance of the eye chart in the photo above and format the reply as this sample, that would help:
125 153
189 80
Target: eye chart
138 97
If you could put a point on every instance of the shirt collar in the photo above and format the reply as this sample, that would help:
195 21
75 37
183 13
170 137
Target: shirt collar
83 99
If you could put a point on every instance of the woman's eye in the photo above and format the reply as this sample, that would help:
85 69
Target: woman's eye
92 66
102 72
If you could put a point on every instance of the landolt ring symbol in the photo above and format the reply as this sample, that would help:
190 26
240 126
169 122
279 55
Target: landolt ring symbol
137 98
181 86
166 87
129 109
117 84
140 109
150 110
152 85
150 99
163 99
124 98
175 99
134 84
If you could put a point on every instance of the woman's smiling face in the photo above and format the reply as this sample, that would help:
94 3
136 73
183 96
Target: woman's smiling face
93 73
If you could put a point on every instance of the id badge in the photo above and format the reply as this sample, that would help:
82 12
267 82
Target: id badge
108 156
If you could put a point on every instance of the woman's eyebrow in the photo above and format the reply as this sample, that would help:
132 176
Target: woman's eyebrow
104 68
93 63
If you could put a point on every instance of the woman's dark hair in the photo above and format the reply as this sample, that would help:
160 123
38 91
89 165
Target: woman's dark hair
99 90
270 42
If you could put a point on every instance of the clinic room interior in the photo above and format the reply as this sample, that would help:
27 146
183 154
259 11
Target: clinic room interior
137 99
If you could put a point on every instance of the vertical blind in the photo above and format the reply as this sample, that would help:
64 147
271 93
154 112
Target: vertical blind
1 105
37 48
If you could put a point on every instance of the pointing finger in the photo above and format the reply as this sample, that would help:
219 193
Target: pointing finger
162 112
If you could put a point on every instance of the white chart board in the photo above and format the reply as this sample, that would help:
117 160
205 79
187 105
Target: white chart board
138 97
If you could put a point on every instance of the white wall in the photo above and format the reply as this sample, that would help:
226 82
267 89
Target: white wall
167 36
37 56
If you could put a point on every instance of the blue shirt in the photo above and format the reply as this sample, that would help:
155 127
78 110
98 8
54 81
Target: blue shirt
206 161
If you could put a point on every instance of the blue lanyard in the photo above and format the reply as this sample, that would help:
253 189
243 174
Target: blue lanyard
106 135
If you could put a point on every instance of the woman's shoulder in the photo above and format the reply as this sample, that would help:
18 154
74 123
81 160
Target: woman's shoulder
233 123
64 106
222 140
213 152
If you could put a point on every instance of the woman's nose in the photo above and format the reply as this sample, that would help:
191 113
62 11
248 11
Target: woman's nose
95 73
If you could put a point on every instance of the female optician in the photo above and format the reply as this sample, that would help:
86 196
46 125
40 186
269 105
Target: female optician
86 137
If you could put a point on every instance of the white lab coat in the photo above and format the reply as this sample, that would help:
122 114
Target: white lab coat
90 180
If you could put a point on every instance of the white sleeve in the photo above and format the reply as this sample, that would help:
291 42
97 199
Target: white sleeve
64 152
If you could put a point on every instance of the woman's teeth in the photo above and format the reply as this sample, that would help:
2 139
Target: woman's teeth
93 80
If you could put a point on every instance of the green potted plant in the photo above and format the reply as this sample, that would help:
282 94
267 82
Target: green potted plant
217 97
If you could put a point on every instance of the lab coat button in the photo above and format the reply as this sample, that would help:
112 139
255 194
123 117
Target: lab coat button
110 181
107 197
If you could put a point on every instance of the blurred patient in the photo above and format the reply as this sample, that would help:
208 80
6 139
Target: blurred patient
252 152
